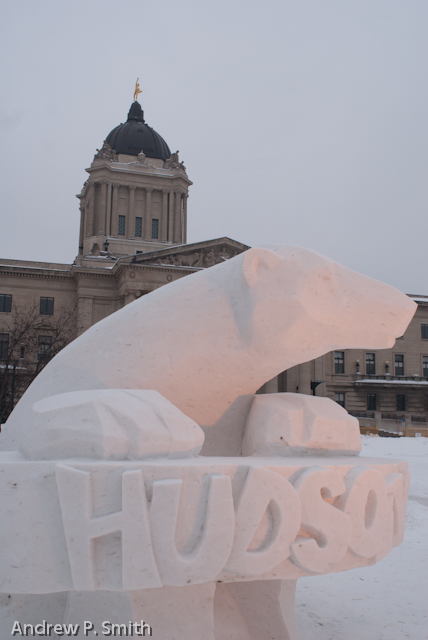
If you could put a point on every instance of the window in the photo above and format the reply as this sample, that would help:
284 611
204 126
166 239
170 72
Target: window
22 352
5 303
155 228
370 364
4 346
401 402
121 226
424 331
371 402
139 252
425 366
46 306
339 362
44 350
399 365
340 399
138 227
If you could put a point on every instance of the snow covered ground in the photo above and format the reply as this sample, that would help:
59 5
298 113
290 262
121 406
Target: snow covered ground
388 601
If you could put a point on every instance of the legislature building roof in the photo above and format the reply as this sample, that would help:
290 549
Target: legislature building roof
135 136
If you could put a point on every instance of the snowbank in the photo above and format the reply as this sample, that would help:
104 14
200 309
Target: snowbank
389 600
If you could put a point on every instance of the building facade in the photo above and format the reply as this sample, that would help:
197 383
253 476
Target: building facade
132 240
386 390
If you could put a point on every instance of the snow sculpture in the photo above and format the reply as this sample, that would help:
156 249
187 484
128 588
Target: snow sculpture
110 516
109 424
204 340
294 423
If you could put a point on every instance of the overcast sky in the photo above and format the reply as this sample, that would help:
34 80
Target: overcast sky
303 122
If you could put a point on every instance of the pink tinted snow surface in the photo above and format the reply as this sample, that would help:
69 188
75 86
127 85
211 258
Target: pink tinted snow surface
388 601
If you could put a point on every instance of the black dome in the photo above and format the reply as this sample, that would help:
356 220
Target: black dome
135 135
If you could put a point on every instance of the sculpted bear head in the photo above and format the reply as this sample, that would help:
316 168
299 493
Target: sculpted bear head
308 305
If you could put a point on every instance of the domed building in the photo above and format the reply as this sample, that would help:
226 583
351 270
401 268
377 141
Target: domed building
135 199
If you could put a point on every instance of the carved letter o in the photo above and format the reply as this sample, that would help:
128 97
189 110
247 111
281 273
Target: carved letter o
365 503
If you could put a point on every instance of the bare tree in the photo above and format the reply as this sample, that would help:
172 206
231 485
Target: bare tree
28 341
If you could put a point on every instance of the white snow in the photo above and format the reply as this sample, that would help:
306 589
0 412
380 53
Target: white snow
419 298
387 601
386 381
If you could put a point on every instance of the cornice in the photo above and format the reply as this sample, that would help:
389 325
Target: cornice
90 272
119 267
38 275
158 173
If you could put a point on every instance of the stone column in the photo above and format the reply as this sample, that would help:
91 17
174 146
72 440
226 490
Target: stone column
185 196
114 211
131 213
130 297
82 226
171 217
147 234
271 386
90 212
108 211
84 314
177 217
163 222
101 226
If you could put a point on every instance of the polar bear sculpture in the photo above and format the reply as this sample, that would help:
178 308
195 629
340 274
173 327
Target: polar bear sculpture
206 339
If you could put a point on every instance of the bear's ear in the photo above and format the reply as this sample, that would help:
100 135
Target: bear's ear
256 262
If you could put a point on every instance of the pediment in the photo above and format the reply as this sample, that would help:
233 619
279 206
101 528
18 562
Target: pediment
197 255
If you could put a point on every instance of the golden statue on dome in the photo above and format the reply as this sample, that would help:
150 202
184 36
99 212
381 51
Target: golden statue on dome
137 90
